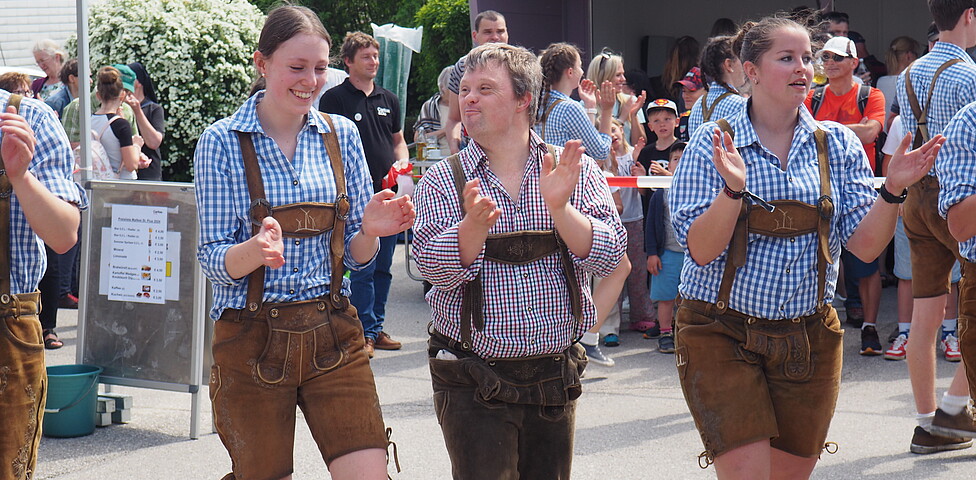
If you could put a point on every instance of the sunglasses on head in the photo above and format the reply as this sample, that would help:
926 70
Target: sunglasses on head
605 55
835 57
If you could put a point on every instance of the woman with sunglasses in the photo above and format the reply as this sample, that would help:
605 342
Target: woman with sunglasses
607 67
763 201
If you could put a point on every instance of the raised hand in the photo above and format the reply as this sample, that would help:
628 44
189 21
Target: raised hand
606 96
17 147
641 143
587 93
634 107
269 240
727 160
385 215
480 211
557 185
906 168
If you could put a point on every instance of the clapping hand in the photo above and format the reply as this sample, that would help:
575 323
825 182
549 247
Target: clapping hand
557 184
906 168
269 240
481 211
385 215
587 93
727 161
606 97
17 147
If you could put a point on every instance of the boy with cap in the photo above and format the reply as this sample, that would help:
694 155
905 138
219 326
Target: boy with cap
692 88
662 119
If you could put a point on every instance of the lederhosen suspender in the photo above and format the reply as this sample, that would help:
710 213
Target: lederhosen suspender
513 248
707 111
302 220
922 115
6 190
545 117
791 218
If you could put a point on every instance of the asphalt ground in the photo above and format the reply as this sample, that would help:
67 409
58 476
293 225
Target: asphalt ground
632 421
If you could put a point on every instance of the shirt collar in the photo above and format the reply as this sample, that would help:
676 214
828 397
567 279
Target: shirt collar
952 50
474 156
245 119
745 134
557 95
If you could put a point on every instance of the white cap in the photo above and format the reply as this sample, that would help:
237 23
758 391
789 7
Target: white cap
841 46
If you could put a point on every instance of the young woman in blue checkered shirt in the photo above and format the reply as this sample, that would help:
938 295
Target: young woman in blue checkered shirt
758 345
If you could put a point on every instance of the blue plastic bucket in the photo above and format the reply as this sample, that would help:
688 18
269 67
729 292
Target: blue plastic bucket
72 394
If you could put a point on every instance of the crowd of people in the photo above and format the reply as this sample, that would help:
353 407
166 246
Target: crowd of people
773 133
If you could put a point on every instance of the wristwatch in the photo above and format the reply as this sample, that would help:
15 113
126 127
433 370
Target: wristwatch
891 198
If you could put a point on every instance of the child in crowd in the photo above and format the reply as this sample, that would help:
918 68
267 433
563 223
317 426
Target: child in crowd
664 255
692 88
662 119
632 216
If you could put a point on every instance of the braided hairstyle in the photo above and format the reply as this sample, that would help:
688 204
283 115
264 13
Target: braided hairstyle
555 60
712 61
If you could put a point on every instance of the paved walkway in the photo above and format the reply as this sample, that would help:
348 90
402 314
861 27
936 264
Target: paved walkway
632 422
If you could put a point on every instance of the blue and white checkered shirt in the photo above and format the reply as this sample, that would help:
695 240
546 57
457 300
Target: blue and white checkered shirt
955 167
779 279
52 165
955 88
223 202
728 106
568 121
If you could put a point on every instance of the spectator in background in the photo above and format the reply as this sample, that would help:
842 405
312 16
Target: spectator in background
428 127
68 90
723 27
334 77
150 119
16 83
722 68
870 68
692 88
901 52
628 109
121 146
682 56
50 58
376 112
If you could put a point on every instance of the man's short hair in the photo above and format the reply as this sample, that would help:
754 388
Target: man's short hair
521 64
946 13
354 42
837 17
70 68
489 15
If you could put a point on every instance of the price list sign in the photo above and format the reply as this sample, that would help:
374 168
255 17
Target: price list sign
137 265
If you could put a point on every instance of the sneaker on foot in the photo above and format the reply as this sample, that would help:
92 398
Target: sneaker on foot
611 340
870 343
898 348
665 344
653 332
594 354
961 424
924 442
950 347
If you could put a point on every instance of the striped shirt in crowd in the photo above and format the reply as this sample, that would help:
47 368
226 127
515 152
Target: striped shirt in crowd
52 165
223 202
568 121
955 88
728 106
779 278
526 308
955 167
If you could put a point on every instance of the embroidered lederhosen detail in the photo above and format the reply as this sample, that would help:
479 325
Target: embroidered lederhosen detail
514 248
921 132
707 111
545 117
298 220
790 218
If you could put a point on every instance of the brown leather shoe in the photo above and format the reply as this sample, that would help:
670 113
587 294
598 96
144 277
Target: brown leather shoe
962 424
384 342
370 345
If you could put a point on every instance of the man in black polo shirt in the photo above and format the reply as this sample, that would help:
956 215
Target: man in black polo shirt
376 111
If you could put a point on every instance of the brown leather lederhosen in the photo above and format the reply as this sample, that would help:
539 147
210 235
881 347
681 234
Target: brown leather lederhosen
790 218
514 248
707 111
23 378
921 133
298 220
545 117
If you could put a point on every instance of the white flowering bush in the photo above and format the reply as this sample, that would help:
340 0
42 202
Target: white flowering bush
198 53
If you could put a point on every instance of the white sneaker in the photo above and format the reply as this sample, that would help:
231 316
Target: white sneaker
950 347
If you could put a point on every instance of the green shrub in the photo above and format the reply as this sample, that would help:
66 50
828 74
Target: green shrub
198 53
447 36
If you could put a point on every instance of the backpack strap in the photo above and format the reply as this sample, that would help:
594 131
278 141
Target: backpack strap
816 100
863 94
6 190
922 114
545 117
707 110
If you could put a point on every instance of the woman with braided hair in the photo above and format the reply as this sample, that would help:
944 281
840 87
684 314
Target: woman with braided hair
561 118
724 76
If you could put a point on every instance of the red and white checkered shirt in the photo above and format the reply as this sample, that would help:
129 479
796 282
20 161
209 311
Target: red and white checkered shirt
527 309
